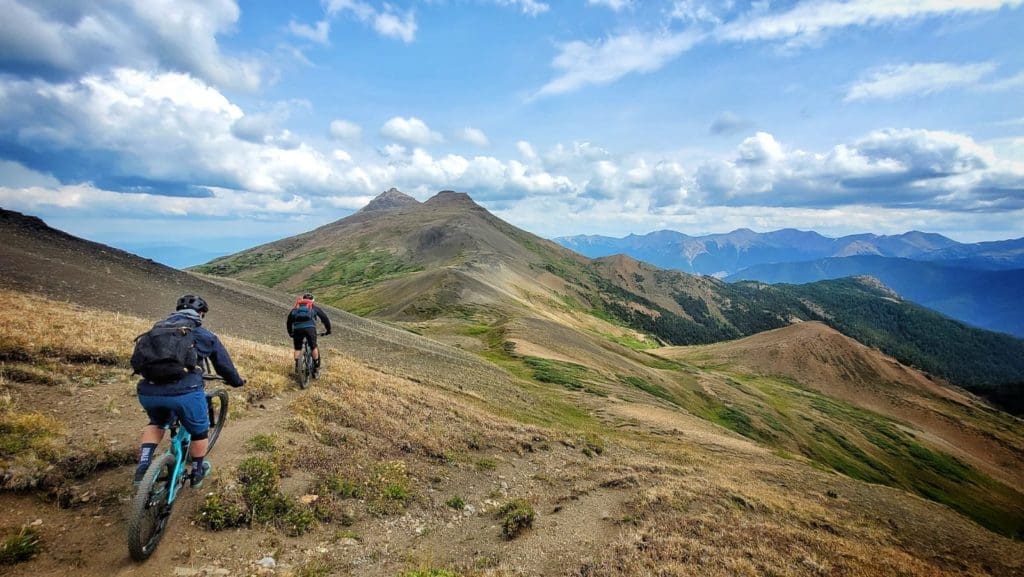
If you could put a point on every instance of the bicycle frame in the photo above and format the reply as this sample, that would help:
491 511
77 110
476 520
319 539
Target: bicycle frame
180 444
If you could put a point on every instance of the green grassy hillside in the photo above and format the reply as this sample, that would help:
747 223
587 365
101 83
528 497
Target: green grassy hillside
448 257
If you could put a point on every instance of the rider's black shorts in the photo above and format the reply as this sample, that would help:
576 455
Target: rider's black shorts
308 333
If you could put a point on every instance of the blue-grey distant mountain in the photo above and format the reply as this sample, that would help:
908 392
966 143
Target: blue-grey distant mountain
988 299
724 254
1002 254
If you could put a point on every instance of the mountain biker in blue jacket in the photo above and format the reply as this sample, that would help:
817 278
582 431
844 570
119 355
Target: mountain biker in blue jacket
300 329
185 397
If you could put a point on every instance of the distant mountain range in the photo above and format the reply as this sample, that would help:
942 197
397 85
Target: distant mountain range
979 284
724 254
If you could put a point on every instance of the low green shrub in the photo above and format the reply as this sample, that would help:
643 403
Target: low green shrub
262 444
388 489
340 487
297 520
592 444
219 512
516 516
259 501
20 546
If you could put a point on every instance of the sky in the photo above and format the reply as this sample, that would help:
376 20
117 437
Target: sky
208 126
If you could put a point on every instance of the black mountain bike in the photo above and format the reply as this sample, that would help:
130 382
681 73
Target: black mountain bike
155 497
306 369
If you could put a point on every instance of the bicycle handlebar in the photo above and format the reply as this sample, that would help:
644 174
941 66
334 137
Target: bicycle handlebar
208 374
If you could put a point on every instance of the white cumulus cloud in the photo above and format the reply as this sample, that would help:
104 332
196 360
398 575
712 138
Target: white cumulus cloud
394 25
526 150
345 130
162 128
474 136
410 130
890 168
177 35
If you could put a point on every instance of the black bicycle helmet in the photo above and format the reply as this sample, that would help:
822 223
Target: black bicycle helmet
193 302
307 296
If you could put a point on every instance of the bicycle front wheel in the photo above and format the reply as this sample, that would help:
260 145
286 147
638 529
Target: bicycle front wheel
217 406
151 508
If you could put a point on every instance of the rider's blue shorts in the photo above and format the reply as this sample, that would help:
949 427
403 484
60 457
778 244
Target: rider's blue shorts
191 409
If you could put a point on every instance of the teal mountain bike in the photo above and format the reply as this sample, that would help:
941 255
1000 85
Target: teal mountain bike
159 489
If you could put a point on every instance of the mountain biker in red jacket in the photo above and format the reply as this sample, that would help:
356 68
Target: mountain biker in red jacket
185 397
301 326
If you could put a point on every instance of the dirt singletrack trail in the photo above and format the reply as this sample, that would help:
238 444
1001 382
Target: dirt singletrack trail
89 537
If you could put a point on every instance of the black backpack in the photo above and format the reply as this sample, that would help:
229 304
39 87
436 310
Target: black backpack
167 352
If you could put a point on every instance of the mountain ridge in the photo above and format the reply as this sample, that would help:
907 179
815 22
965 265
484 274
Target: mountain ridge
722 254
987 299
449 257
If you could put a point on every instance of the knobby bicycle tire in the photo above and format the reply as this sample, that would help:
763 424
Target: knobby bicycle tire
217 406
306 368
150 511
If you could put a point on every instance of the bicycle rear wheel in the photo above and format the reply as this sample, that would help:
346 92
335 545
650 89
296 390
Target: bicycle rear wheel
306 367
217 406
151 509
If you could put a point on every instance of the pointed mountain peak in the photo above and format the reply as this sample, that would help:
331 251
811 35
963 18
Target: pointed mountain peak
391 198
450 197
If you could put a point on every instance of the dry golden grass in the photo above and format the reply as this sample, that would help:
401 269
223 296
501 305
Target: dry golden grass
407 416
681 500
38 329
59 351
267 368
55 349
725 517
